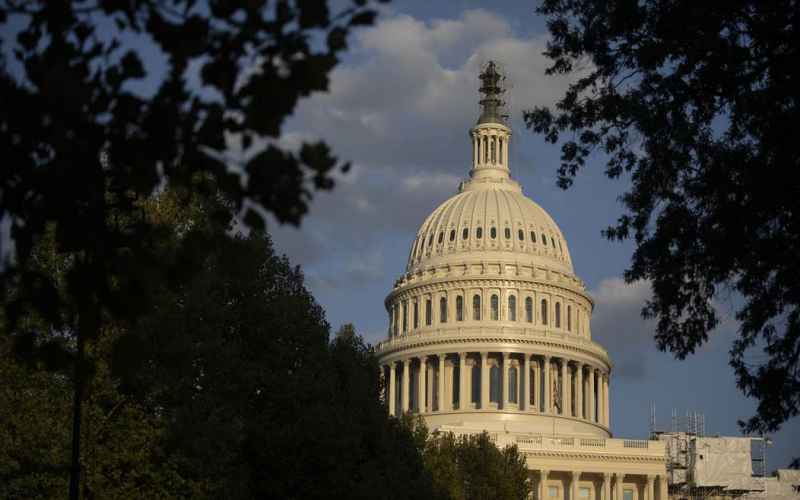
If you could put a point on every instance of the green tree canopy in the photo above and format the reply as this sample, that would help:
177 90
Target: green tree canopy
698 102
471 467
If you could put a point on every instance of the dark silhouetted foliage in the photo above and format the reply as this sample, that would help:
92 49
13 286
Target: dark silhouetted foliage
698 102
103 102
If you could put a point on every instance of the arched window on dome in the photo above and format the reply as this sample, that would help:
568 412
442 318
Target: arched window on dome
441 237
476 384
495 384
465 233
428 312
508 233
405 315
512 384
544 312
479 233
529 310
452 235
558 314
493 232
569 318
512 308
416 315
533 237
476 307
521 235
443 310
495 302
544 239
459 308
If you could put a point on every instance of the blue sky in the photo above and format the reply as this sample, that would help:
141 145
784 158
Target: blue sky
399 107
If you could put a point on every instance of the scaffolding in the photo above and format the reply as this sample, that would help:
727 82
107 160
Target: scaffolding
700 467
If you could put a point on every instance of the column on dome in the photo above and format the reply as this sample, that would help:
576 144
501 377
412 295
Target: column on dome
440 398
564 386
618 478
525 402
651 492
606 486
392 389
579 408
462 381
573 484
663 488
607 380
543 475
421 384
546 396
404 386
484 380
504 399
592 398
536 384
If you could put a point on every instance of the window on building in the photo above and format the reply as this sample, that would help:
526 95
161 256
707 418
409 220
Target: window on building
529 310
441 237
533 237
569 318
416 316
476 384
405 315
459 308
495 307
512 308
452 235
544 239
428 312
501 150
627 494
512 384
507 233
583 493
476 307
493 233
495 384
544 312
465 234
521 235
558 314
552 492
479 233
443 309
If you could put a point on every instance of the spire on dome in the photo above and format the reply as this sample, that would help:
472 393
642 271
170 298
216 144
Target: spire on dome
492 89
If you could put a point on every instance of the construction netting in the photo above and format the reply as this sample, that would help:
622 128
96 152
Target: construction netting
724 461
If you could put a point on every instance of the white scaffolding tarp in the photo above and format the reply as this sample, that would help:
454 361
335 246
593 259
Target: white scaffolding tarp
724 461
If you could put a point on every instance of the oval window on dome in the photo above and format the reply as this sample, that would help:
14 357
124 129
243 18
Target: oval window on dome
521 235
479 233
441 237
465 234
533 237
452 235
553 241
544 239
508 233
493 232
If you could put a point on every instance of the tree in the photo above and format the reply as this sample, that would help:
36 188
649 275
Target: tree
471 467
697 101
83 145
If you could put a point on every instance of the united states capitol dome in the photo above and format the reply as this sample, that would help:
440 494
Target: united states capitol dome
490 218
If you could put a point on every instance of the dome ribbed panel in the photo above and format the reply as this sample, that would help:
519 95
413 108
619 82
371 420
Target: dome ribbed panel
488 208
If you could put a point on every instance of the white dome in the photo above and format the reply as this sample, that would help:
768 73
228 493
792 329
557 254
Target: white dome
490 220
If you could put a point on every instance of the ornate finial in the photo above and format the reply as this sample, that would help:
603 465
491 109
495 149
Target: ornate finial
492 88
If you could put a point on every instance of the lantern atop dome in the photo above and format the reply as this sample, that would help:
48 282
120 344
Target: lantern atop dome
492 88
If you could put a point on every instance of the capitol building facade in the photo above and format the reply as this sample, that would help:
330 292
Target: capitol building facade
490 330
